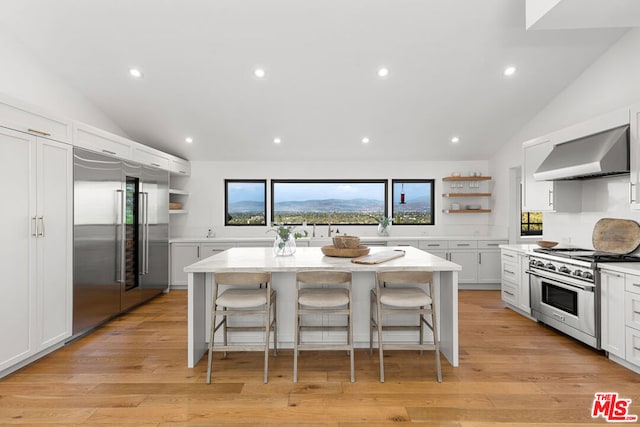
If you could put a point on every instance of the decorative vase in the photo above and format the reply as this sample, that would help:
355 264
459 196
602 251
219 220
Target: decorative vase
382 230
284 247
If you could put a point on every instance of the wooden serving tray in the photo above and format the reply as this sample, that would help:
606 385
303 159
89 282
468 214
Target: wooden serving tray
618 236
344 253
379 257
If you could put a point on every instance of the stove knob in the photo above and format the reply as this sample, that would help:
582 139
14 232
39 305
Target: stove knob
550 266
587 275
577 273
532 263
539 264
564 269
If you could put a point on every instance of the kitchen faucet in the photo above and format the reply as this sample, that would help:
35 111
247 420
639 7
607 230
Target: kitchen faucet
329 231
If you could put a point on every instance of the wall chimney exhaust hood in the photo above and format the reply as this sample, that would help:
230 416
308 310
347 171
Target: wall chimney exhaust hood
601 154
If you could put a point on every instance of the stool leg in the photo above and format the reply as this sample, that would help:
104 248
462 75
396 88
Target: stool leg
212 332
350 334
371 323
267 333
275 323
296 339
421 321
380 345
224 333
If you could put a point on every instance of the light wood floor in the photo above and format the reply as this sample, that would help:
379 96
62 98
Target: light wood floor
133 371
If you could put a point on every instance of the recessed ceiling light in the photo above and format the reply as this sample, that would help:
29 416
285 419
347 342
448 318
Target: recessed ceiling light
510 71
134 72
383 72
455 139
277 140
365 140
259 73
188 140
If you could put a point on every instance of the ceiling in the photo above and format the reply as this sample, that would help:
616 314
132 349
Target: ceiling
321 94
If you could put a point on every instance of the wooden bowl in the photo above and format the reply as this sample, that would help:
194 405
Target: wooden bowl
546 243
344 253
346 242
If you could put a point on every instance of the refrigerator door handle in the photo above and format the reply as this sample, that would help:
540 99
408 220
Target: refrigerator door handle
120 256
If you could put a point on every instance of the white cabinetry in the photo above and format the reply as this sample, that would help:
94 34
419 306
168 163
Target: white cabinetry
101 141
179 166
632 320
184 254
14 115
611 313
489 261
634 155
515 280
35 308
150 157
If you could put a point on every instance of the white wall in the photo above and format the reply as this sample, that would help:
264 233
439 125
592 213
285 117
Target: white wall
610 83
25 78
206 200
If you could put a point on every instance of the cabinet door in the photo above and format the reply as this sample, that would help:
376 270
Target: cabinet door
15 115
17 252
101 141
634 153
611 312
182 255
210 249
54 243
536 195
469 262
524 295
489 266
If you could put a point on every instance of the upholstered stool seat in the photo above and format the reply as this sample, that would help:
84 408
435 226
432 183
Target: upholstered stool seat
404 297
242 298
314 297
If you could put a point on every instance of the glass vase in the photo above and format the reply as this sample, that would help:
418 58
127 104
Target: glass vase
382 230
284 247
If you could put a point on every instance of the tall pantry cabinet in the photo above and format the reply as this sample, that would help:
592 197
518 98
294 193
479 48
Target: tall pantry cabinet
36 220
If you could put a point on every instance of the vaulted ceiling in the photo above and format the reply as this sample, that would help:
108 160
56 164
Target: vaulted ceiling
321 93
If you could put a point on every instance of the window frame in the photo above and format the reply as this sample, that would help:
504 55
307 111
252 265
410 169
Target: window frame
415 181
226 201
530 232
385 182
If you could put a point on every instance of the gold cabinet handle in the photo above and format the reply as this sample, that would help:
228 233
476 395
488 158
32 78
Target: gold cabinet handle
39 132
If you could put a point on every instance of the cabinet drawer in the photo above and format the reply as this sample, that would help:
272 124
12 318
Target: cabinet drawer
509 293
256 244
632 345
509 256
463 244
491 244
632 310
179 166
433 244
413 243
632 283
510 272
30 119
209 249
151 158
101 142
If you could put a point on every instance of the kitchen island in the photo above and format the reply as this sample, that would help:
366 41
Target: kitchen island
283 271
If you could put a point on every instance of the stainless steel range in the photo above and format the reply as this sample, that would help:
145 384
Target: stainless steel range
565 290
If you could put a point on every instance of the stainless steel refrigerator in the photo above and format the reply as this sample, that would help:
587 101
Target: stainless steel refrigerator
121 237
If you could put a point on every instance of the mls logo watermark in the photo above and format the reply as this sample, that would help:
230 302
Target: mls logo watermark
612 408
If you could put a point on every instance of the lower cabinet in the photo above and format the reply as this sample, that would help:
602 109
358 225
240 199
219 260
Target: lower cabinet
612 327
184 254
515 280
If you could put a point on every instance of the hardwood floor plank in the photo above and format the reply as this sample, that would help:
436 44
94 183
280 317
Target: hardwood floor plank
132 371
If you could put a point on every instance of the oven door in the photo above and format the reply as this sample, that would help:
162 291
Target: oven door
565 304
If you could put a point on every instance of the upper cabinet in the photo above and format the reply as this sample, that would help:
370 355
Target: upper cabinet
150 157
634 156
15 115
536 195
179 166
101 141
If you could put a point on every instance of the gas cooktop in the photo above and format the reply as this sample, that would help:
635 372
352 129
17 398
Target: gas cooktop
588 255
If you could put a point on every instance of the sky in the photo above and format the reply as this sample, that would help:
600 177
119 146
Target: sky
243 191
412 191
287 191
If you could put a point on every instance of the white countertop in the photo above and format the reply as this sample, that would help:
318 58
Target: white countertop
262 259
524 248
363 239
621 267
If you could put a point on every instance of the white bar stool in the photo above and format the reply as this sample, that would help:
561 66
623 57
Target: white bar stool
323 292
246 294
392 296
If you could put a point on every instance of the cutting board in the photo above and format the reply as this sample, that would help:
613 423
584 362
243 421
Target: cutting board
379 257
618 236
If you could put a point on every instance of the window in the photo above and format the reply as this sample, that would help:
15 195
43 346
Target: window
413 201
347 202
531 224
245 202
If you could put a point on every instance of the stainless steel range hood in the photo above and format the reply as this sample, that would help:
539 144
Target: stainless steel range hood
601 154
